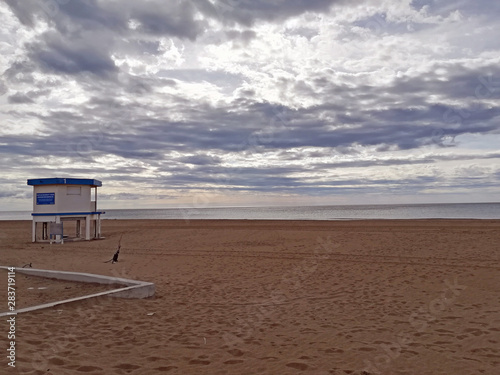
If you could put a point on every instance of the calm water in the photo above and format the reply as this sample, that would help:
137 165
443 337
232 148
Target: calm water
399 211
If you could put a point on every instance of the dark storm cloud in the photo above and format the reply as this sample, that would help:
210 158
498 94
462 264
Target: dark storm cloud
81 22
20 72
430 159
77 146
253 126
247 12
88 53
453 81
176 19
84 34
241 178
19 98
411 124
73 17
200 159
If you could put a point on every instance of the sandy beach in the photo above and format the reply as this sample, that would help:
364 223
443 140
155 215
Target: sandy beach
267 297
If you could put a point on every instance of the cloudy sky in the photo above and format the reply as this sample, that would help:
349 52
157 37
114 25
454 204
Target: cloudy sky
185 103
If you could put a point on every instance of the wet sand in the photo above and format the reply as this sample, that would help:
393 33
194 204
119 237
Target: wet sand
270 297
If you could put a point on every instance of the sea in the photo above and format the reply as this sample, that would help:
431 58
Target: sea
344 212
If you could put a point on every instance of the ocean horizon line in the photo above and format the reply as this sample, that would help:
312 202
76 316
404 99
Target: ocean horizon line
284 206
482 210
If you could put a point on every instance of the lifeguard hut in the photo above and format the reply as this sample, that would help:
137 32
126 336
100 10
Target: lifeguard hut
58 201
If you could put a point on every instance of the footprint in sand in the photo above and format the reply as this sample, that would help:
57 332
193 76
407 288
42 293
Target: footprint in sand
56 361
233 361
298 366
154 359
235 352
199 362
474 331
366 349
127 366
166 368
89 369
334 350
